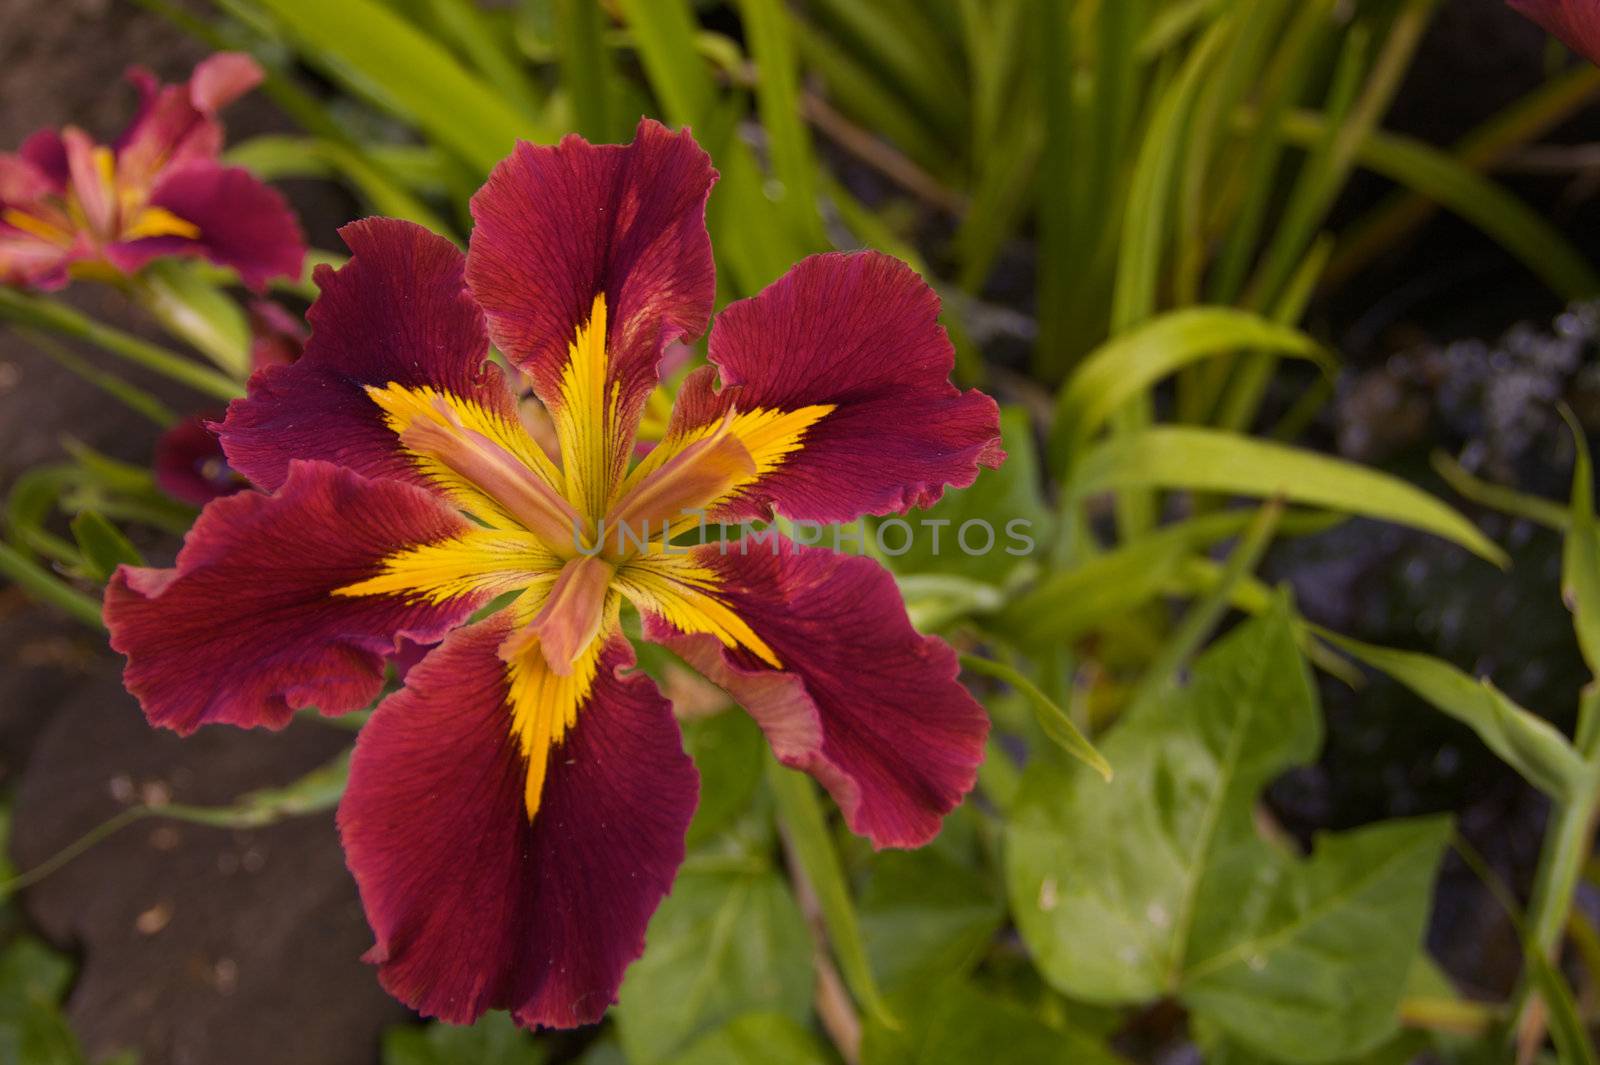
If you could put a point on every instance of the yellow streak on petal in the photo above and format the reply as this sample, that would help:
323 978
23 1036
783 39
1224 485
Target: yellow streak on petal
159 222
685 594
480 560
587 417
768 434
545 704
35 226
403 407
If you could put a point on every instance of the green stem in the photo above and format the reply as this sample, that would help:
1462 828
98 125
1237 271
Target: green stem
59 318
39 583
1567 842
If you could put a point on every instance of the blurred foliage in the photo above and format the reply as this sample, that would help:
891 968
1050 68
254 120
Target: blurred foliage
1126 206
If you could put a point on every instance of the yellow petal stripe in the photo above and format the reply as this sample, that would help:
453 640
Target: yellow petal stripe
685 594
545 704
158 222
586 419
495 561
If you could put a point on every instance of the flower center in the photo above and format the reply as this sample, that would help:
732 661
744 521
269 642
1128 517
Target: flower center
570 619
665 501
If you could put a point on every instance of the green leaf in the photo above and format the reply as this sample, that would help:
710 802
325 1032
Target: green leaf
727 749
1205 460
494 1040
756 1039
1158 884
1316 975
924 918
32 1030
957 1024
722 944
190 307
368 45
1053 720
1521 739
1127 365
103 545
1074 600
1580 553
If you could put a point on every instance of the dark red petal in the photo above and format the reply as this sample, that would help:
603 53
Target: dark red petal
46 150
245 631
474 907
1576 22
864 703
558 226
190 466
398 311
859 331
277 337
243 223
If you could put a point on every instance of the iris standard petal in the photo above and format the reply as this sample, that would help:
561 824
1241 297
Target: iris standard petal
862 701
474 905
177 124
607 239
221 213
853 342
397 314
246 629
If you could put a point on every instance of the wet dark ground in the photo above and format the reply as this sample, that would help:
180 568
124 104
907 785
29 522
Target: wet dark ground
201 945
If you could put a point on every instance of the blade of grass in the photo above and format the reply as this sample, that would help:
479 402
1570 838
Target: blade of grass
1520 230
778 103
1206 460
47 588
806 832
45 314
415 76
1053 721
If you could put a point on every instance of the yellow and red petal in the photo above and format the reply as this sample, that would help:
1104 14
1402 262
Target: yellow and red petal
246 629
397 314
862 701
608 239
473 905
221 213
852 341
1576 22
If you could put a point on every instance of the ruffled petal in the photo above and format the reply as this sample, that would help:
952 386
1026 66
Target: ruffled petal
247 629
243 224
863 702
474 906
854 341
1576 22
397 313
610 239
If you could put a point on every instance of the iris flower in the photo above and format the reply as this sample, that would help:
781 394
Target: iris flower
516 811
1576 22
69 206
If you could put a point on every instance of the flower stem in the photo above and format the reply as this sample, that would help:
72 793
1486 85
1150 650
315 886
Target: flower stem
59 318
